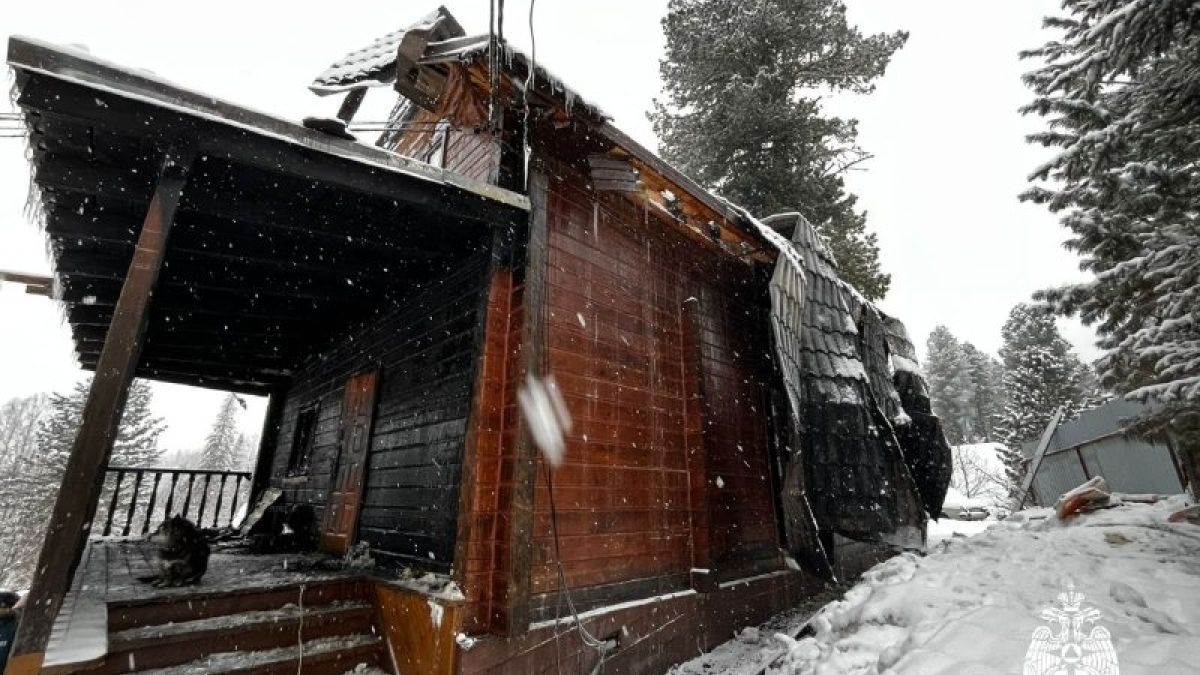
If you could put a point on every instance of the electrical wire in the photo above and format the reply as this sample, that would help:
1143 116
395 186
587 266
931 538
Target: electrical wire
601 647
300 632
529 82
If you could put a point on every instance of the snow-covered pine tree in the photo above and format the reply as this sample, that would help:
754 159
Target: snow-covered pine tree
32 484
742 112
1040 374
221 445
950 391
247 451
19 421
1116 86
137 440
986 374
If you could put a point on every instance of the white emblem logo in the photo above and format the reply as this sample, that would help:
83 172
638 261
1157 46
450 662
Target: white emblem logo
1070 650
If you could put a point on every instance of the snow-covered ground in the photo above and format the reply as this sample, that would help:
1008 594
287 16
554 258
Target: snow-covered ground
945 528
971 606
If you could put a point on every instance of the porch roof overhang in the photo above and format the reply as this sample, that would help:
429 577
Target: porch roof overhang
284 235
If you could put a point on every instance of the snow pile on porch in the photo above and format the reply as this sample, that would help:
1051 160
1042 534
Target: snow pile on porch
971 605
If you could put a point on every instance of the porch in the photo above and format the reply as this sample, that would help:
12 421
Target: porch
263 606
201 243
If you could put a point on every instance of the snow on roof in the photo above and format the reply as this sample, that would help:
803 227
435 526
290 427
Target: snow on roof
470 48
375 64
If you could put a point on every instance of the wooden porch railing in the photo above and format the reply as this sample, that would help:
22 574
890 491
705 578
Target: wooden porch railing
135 500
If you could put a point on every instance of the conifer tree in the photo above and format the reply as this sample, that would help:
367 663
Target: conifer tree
34 482
221 445
1116 88
1040 374
987 398
137 441
742 112
951 393
19 421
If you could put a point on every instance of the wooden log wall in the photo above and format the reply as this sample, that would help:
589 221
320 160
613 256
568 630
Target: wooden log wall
425 350
469 149
483 529
419 630
645 493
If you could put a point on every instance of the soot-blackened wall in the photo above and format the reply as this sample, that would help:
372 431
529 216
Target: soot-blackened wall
425 352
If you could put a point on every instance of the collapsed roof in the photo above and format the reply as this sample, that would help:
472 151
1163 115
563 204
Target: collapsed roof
375 65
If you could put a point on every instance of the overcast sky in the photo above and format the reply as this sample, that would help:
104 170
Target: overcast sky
943 126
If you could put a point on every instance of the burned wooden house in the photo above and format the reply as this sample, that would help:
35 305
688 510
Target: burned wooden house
744 426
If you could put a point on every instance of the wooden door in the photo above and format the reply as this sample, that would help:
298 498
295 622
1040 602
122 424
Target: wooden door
350 469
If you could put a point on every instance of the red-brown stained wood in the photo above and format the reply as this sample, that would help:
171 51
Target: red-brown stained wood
480 521
650 637
668 444
346 495
420 637
653 331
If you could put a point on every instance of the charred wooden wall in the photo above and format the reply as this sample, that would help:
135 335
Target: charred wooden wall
425 351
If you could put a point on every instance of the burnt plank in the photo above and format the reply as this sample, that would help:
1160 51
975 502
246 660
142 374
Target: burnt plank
533 362
74 508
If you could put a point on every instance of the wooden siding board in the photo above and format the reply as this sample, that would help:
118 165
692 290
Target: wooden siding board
639 493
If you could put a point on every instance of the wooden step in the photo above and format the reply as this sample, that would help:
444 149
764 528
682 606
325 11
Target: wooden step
323 656
165 645
179 607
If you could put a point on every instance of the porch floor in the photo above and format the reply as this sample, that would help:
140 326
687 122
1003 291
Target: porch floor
109 573
113 567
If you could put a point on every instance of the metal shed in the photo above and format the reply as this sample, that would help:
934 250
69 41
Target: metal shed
1098 443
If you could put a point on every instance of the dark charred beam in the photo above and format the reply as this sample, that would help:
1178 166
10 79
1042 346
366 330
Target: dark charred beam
531 270
248 374
200 234
198 341
267 444
230 367
225 302
98 318
239 386
228 197
189 283
155 350
242 253
239 336
75 505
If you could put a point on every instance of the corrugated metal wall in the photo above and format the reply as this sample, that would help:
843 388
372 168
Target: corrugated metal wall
1132 465
1092 445
1058 473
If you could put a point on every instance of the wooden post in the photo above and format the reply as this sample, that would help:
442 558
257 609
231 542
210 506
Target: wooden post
351 103
75 505
533 346
267 446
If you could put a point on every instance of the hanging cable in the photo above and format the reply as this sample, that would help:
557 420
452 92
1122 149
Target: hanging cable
300 632
493 70
602 647
529 83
